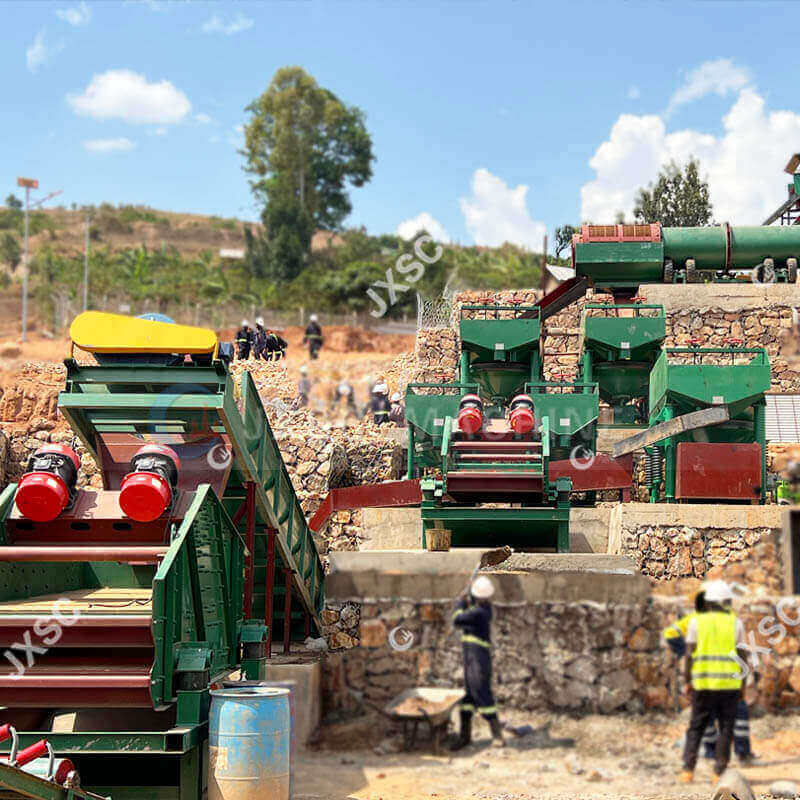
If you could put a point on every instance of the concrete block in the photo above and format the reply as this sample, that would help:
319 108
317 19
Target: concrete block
308 694
391 529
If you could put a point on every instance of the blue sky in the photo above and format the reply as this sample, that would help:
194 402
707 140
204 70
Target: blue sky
496 120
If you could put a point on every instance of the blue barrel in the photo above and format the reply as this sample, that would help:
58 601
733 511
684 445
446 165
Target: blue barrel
249 744
292 687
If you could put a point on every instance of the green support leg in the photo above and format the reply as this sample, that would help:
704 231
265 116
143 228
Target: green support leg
536 367
760 420
464 367
587 370
562 545
669 460
192 773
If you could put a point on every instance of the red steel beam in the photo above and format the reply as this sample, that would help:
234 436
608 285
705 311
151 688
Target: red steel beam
250 541
124 630
371 495
269 597
287 611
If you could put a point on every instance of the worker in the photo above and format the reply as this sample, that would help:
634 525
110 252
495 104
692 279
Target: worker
345 393
260 340
715 639
276 345
379 403
313 336
397 411
303 388
675 636
244 341
473 616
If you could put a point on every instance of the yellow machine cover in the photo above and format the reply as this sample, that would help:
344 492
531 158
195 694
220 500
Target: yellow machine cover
100 332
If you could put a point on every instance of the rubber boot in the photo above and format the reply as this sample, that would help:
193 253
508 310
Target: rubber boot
465 734
498 740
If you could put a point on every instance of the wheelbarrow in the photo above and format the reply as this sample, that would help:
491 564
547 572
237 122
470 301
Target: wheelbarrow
429 704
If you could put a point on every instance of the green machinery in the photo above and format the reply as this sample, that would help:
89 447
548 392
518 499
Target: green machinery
624 256
144 612
490 437
722 460
619 345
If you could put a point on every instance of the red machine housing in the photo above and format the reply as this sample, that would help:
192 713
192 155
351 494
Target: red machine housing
520 415
470 414
48 485
718 471
147 491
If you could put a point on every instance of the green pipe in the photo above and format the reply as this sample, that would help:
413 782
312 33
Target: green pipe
587 370
535 367
749 246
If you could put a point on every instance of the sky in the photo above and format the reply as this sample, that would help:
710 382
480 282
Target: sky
490 121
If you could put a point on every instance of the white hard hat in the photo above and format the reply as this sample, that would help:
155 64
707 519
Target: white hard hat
313 318
380 388
303 370
482 588
245 323
718 592
259 320
396 397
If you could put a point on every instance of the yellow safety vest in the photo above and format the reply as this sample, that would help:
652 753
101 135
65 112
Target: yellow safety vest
714 662
679 627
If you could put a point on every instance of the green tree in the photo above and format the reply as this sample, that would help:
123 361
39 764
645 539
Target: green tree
303 148
679 198
14 203
564 234
10 251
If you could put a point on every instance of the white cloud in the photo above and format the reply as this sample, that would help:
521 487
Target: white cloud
634 93
721 77
237 24
742 165
119 145
203 119
40 53
126 95
496 213
409 228
77 16
236 136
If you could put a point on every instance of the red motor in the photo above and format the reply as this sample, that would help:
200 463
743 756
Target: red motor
148 490
520 415
48 485
470 414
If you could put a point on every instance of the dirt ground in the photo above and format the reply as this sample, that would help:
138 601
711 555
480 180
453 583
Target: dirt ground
626 758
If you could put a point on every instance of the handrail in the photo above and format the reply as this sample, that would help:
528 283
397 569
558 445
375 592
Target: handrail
447 431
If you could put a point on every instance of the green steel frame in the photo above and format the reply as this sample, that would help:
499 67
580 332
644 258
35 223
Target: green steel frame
692 384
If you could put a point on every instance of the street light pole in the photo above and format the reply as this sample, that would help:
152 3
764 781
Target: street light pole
86 265
28 184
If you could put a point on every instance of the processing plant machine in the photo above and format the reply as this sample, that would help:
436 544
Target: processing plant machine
133 598
489 438
619 346
621 257
726 458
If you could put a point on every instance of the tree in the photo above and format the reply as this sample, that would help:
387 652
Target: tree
304 148
10 251
564 235
679 198
14 203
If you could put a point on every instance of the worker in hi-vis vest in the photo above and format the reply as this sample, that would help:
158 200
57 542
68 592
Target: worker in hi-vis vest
675 637
715 666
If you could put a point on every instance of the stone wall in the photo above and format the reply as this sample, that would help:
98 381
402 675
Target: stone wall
577 657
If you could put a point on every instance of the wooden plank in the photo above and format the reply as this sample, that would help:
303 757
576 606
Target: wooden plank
107 600
672 427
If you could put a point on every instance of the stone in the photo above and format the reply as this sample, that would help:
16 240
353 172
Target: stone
641 639
340 639
583 669
372 633
783 789
616 689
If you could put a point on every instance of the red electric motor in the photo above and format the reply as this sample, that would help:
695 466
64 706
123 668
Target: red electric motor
470 414
520 415
148 490
48 485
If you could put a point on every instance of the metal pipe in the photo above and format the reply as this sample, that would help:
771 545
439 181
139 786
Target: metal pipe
140 555
464 367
